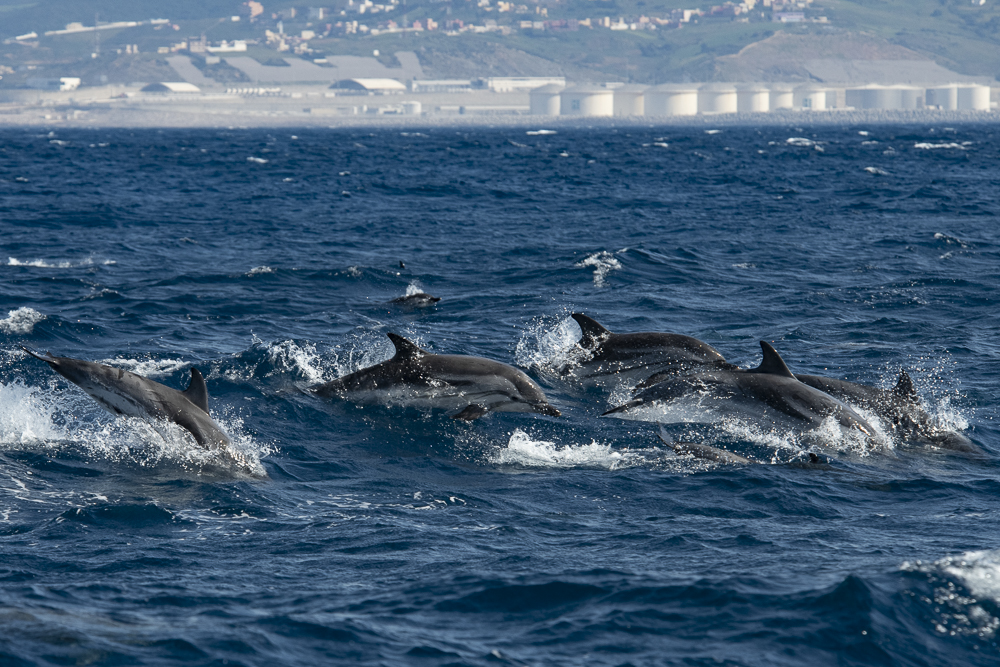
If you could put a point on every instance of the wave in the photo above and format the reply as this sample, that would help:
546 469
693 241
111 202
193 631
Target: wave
924 145
64 264
21 321
965 593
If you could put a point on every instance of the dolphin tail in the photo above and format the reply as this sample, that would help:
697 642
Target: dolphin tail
624 406
44 356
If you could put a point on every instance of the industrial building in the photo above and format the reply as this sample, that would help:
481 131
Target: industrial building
673 99
587 100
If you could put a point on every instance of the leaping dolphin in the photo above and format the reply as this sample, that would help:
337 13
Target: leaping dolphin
898 408
631 356
768 391
414 377
124 393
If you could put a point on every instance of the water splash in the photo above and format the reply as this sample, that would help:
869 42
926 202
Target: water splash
56 420
603 262
523 450
550 344
21 321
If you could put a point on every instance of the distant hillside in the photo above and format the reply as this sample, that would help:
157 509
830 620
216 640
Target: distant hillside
654 41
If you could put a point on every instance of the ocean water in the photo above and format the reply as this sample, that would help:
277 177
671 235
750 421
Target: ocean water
339 534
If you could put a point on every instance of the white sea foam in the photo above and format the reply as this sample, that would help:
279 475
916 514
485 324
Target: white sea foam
800 141
524 450
952 145
21 320
961 612
603 262
257 270
147 367
535 133
876 171
64 264
257 160
302 359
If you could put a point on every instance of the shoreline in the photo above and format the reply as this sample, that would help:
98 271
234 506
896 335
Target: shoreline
134 117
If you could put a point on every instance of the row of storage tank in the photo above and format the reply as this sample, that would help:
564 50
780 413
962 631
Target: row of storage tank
690 99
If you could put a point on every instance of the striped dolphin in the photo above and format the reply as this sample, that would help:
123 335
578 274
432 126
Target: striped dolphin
124 393
414 377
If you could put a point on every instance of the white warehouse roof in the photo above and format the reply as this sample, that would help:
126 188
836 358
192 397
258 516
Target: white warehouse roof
171 87
369 84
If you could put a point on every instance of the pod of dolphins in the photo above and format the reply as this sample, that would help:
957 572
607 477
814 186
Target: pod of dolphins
666 367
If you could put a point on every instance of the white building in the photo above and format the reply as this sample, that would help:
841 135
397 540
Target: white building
809 96
508 84
671 99
782 96
587 100
717 98
544 100
171 87
973 98
630 100
752 98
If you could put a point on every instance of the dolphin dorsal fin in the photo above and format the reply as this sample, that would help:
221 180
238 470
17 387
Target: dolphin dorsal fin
197 392
405 349
593 333
904 387
772 363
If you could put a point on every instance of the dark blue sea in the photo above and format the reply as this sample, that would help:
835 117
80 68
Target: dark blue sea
341 534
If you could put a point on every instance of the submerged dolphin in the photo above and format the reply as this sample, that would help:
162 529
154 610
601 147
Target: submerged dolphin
898 408
125 393
416 300
630 356
702 451
414 377
768 391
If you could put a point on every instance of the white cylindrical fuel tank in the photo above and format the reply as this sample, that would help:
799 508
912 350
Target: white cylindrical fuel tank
866 97
810 96
587 100
544 100
717 98
630 100
943 97
671 99
909 97
782 96
974 98
752 98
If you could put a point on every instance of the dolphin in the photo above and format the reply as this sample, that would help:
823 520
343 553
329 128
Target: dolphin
416 300
414 377
898 408
702 451
124 393
630 356
769 391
